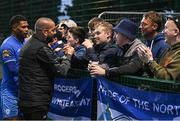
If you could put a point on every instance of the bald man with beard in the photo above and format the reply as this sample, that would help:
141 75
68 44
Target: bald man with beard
37 69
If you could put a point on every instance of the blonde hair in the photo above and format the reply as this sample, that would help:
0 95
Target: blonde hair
93 22
108 27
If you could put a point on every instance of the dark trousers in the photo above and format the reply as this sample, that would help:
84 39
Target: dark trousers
34 113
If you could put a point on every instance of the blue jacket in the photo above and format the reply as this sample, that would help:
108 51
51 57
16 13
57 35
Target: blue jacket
79 59
57 47
157 45
106 53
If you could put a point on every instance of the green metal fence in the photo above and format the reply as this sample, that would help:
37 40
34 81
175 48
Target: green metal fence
83 10
115 16
142 83
133 81
148 83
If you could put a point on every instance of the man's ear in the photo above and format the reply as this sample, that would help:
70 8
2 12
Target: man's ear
14 27
45 32
109 34
176 32
155 26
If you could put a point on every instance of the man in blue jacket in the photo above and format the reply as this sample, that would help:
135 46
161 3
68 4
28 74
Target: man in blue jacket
150 26
9 54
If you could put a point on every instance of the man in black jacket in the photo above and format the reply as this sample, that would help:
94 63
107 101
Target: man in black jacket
103 50
38 66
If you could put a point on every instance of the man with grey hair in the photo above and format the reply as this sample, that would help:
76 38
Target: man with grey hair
168 67
37 69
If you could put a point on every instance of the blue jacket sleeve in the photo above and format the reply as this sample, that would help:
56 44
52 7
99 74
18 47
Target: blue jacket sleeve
10 60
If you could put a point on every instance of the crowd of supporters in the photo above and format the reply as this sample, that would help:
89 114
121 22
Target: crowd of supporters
31 62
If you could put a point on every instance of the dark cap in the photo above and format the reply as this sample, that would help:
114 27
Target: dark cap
127 28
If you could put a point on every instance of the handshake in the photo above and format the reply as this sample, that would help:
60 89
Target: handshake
68 50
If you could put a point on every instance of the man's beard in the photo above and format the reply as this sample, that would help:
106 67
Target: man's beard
49 39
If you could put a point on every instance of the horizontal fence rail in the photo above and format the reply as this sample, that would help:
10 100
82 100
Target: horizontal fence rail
109 14
114 17
142 83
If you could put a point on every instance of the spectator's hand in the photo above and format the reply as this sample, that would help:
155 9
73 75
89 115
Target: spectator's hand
68 50
96 70
145 54
88 43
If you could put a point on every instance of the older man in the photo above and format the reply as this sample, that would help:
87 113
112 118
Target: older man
168 67
37 69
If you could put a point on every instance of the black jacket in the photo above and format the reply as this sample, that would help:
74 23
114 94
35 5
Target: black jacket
105 53
130 62
37 68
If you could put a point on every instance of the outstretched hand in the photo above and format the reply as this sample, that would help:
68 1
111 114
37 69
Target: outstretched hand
68 50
